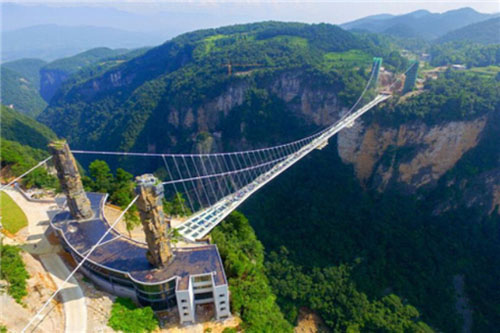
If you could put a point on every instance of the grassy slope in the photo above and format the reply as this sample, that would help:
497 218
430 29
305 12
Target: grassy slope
13 218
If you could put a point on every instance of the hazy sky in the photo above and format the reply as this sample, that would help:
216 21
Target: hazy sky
332 11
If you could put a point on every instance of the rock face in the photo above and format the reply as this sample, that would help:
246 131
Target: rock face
150 205
50 81
481 191
316 107
71 183
410 156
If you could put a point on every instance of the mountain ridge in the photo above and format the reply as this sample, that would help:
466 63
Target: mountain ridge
423 23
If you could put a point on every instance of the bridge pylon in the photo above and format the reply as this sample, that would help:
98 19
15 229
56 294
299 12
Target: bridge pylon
411 77
70 180
377 64
156 228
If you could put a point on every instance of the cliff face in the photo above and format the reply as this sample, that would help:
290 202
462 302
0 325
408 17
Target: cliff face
308 106
318 107
413 155
50 81
416 155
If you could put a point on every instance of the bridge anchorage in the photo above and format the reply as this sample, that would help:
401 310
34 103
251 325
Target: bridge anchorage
154 272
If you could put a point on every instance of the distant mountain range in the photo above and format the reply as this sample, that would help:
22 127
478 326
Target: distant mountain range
485 32
50 42
420 24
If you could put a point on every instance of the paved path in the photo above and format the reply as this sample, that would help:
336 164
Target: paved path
75 308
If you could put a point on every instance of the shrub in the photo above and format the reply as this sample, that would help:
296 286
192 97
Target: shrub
127 317
13 270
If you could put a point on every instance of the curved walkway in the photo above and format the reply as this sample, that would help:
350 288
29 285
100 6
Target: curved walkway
38 214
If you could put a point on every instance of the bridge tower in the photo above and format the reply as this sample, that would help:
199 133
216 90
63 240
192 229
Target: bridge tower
156 228
377 64
70 180
411 77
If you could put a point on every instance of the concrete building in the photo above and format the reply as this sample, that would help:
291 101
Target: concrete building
194 275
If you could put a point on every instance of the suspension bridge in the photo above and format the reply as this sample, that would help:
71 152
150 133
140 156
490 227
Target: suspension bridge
215 184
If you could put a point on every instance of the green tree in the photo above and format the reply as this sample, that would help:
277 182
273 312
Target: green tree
127 317
251 295
177 206
131 218
101 176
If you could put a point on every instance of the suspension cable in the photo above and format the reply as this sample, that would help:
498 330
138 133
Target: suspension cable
27 172
124 153
79 265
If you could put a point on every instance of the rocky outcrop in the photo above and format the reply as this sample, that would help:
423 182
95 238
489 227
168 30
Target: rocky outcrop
150 206
317 106
410 156
70 180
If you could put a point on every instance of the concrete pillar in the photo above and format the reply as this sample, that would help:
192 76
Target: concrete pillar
150 205
70 180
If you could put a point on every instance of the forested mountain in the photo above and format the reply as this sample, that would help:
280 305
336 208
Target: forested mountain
28 68
422 24
56 72
184 87
28 83
485 32
20 86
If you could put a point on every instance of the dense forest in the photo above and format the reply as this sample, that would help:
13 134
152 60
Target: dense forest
465 52
21 91
453 96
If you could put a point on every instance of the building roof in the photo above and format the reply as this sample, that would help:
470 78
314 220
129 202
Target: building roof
119 253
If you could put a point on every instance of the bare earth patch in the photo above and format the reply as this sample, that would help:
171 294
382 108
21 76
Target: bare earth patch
309 322
40 286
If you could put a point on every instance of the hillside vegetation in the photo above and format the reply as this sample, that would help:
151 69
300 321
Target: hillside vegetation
453 96
24 130
24 144
21 90
463 52
28 68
